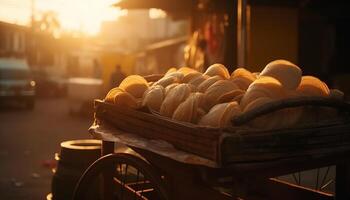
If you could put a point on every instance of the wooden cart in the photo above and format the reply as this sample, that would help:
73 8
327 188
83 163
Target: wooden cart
239 163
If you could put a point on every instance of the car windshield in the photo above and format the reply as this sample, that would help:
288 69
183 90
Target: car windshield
14 74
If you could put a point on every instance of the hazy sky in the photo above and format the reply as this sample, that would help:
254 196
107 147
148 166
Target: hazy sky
77 15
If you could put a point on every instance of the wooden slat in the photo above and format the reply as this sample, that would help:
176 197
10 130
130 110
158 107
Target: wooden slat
278 189
285 143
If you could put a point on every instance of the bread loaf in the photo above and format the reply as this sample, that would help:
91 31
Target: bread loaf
257 103
264 86
187 111
167 80
170 70
312 86
176 74
110 95
287 73
215 91
153 97
242 82
220 115
198 80
230 96
135 85
191 76
241 72
208 82
217 70
121 98
172 100
186 70
170 87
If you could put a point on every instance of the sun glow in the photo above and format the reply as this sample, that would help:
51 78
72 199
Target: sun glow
82 15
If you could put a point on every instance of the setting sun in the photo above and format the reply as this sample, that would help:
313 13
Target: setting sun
82 15
74 15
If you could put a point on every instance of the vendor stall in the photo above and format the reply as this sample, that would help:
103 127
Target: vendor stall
256 124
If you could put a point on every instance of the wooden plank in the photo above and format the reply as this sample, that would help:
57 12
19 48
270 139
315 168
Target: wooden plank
279 167
201 148
160 121
275 189
286 143
119 120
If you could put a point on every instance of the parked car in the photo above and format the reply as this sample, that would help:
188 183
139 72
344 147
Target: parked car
49 84
16 83
81 94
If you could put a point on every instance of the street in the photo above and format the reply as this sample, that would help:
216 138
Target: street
29 140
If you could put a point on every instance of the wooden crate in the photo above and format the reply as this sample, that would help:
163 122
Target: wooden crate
185 136
239 144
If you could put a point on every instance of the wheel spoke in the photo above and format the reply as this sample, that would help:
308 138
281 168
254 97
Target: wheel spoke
295 178
327 184
317 177
148 185
325 177
137 180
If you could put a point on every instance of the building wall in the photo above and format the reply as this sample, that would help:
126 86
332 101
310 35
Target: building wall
273 35
136 30
12 39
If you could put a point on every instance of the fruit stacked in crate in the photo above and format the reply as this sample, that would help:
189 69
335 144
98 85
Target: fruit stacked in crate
214 97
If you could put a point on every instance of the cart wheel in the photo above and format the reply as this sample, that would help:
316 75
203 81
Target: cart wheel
319 179
133 178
